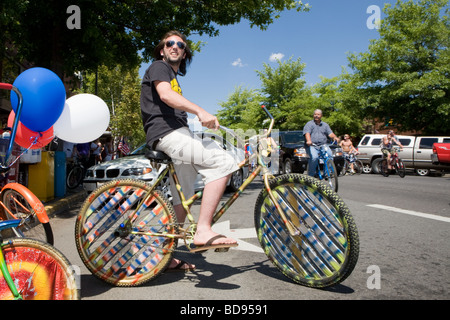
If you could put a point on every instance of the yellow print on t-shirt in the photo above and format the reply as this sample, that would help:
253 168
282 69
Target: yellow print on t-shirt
175 86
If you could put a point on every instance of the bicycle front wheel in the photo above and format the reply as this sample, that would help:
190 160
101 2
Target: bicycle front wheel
39 272
358 166
120 239
331 175
21 203
326 250
400 167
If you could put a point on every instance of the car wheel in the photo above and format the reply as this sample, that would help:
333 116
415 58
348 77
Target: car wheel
422 172
376 165
367 168
287 166
236 180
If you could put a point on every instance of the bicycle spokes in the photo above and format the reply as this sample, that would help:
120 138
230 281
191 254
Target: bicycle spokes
320 254
124 236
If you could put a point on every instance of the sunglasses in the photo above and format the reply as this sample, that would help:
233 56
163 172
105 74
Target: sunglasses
180 44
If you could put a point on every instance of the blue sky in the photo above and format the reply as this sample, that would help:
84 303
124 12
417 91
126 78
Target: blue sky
322 38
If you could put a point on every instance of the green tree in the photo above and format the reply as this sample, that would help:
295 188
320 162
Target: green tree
112 32
405 73
280 86
238 111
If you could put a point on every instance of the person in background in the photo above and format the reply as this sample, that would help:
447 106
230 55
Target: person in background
386 146
316 132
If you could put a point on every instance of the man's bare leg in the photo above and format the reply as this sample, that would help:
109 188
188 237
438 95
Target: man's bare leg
212 193
181 216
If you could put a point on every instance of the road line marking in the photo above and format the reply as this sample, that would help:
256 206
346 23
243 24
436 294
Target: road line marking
410 212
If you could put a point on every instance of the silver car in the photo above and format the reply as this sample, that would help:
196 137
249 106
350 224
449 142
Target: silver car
136 166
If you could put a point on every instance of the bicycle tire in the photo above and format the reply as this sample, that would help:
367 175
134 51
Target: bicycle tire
24 205
358 166
384 170
111 252
75 177
331 175
39 271
344 168
400 167
327 249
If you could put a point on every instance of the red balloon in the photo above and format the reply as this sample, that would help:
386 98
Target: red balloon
26 137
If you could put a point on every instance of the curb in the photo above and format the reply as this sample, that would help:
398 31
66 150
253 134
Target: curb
58 205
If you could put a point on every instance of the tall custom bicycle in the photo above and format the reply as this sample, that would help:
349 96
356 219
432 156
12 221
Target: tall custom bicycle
17 201
126 231
31 269
396 164
328 172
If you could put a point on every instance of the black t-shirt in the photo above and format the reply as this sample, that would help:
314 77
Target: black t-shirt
159 119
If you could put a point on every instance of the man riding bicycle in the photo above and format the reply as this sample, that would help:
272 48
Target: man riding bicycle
349 151
316 132
386 146
164 113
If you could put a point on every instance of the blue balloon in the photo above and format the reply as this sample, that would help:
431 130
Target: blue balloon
44 96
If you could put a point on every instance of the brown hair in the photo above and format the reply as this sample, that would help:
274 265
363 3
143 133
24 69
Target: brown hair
187 59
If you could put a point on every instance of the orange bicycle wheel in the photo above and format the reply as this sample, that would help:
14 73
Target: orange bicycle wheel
18 202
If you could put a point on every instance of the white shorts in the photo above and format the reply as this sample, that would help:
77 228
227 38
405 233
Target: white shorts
191 156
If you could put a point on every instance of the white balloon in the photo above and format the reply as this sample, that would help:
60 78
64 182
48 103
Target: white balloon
85 117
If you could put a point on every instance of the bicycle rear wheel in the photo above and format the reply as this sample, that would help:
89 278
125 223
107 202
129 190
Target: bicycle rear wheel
384 168
326 250
331 175
21 203
75 177
39 271
106 233
400 167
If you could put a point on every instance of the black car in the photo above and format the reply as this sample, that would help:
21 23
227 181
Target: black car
293 156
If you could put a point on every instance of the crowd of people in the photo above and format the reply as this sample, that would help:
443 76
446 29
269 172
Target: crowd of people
91 153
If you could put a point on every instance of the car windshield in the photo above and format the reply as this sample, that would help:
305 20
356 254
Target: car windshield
139 150
294 137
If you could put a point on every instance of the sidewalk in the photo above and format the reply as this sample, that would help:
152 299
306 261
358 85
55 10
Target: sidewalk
72 198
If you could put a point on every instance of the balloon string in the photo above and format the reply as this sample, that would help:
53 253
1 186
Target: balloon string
33 140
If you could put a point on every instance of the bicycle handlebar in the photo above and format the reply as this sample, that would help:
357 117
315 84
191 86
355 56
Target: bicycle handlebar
265 135
10 87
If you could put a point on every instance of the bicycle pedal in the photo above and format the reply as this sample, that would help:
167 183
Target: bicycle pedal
221 249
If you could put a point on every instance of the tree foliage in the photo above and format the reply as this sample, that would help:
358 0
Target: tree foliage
116 32
405 73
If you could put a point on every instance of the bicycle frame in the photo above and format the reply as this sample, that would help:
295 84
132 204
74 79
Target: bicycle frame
323 155
3 267
186 203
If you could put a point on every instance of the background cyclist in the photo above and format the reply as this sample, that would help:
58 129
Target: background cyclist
386 146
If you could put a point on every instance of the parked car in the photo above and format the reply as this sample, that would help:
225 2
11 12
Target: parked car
137 166
293 156
416 153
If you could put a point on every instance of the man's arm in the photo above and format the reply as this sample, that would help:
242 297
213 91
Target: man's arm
308 139
177 101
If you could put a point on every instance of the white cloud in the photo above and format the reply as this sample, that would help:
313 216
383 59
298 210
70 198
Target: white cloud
276 56
238 63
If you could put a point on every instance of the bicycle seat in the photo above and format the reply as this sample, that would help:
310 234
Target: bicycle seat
158 156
